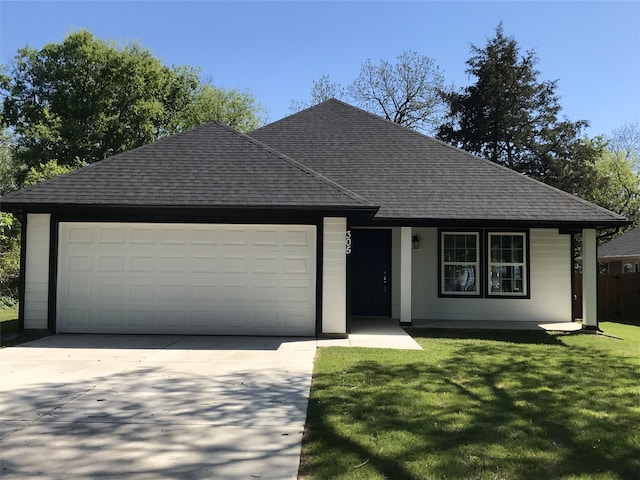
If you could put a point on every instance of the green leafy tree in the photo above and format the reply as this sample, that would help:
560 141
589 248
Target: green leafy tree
46 171
85 99
9 227
235 108
616 187
8 168
510 117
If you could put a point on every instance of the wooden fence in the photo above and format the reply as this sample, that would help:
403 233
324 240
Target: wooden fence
618 297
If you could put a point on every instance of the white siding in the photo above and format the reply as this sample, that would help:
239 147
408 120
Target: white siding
334 276
406 253
550 254
589 278
36 270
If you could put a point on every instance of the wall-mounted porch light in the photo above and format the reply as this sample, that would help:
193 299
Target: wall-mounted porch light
415 241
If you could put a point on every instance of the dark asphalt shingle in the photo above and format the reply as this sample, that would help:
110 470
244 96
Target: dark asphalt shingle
412 176
212 165
330 155
626 245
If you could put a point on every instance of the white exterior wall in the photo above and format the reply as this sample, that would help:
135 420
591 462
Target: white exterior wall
406 261
36 271
589 279
334 276
550 288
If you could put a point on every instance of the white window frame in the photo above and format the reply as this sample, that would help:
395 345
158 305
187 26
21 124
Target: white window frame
523 265
478 275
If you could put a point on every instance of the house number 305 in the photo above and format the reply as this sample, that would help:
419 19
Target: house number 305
348 242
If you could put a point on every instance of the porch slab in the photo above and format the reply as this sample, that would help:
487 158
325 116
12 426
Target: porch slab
374 333
498 325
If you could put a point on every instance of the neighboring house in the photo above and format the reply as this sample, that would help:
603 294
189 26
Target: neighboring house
292 229
622 254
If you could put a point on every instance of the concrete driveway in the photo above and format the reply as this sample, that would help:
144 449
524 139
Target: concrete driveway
101 406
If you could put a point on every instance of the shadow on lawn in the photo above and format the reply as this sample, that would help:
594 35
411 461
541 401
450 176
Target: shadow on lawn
485 410
529 337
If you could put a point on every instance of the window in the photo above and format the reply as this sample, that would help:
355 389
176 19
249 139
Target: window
507 264
460 263
484 263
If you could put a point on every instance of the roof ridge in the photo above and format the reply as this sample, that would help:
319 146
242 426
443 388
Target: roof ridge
327 181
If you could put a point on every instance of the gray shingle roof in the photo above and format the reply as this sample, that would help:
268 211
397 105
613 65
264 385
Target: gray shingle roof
212 165
412 176
627 245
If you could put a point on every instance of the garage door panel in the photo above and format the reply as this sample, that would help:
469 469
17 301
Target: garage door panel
111 235
141 264
79 235
297 265
235 264
186 279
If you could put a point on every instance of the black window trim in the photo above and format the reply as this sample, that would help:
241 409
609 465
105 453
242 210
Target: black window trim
483 261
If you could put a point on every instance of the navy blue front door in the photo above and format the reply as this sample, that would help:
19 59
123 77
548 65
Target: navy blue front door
371 273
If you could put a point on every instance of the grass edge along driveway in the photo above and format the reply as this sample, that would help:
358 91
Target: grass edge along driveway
478 405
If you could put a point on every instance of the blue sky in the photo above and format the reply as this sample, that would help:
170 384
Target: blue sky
276 49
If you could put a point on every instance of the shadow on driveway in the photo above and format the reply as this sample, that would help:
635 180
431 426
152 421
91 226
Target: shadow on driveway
196 407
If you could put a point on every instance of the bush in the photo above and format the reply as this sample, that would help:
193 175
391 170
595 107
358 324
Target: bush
8 302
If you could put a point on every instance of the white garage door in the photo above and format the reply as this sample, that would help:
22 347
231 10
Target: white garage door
186 279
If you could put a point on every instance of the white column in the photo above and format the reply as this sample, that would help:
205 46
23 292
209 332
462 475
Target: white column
405 275
36 271
334 276
589 279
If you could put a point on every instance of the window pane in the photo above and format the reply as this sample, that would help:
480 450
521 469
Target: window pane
470 254
460 278
471 241
506 279
449 241
518 256
518 242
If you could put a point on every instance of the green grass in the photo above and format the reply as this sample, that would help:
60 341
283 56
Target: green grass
8 320
478 405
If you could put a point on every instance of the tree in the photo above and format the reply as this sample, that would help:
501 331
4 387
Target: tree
407 92
323 89
233 107
511 118
617 186
626 140
46 171
86 99
9 227
7 163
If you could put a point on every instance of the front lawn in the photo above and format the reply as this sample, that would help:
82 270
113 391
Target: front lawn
8 320
478 405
